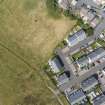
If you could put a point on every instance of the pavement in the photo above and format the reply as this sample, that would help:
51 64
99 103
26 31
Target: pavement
78 80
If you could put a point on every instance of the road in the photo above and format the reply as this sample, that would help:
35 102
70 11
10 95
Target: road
78 80
70 50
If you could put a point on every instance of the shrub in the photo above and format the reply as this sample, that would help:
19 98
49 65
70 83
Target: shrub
53 9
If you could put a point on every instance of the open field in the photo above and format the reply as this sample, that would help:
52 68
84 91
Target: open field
27 39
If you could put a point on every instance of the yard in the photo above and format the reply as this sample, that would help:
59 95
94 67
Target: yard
27 39
78 55
101 42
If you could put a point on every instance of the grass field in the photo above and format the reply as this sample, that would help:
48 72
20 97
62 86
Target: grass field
27 39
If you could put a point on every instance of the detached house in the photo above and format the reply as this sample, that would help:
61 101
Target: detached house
76 38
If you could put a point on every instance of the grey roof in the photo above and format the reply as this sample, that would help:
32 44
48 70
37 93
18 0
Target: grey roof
76 96
89 83
77 37
83 61
96 54
56 64
62 79
91 57
100 100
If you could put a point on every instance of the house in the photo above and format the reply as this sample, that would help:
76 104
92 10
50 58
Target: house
95 21
76 97
64 4
99 2
100 100
76 38
92 57
56 64
67 4
61 79
86 14
89 83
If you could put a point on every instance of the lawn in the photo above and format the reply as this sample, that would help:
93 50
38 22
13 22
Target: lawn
27 39
95 45
77 55
101 42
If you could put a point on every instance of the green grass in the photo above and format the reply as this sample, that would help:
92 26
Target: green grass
27 39
53 10
101 42
30 4
77 55
94 45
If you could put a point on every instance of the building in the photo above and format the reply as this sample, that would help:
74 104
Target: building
99 2
76 38
56 64
92 57
89 83
63 78
77 97
67 4
95 21
100 100
64 4
86 14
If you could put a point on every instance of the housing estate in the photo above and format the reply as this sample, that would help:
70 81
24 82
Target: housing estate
80 69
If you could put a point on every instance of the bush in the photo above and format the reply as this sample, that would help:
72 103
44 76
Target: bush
68 14
53 9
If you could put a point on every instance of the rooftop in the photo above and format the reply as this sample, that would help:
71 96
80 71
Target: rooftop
76 37
100 100
55 64
89 83
63 78
76 96
91 57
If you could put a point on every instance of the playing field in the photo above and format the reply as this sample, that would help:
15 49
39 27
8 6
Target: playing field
27 39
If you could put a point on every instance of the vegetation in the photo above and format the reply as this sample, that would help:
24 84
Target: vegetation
27 39
94 45
67 13
53 9
89 30
62 44
101 42
77 55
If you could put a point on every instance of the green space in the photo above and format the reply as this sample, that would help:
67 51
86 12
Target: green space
86 27
27 39
95 45
53 9
101 42
77 55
